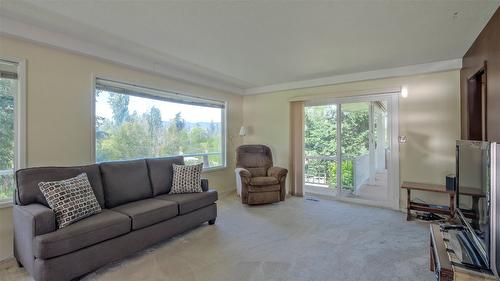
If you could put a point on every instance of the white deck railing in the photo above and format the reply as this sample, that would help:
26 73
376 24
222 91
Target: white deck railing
6 172
320 177
204 156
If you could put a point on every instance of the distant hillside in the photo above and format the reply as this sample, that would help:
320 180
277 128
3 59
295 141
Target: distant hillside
204 125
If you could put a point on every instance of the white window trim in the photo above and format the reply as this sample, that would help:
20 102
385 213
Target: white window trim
95 77
20 120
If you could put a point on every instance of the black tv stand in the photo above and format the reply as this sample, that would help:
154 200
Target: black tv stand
445 226
445 263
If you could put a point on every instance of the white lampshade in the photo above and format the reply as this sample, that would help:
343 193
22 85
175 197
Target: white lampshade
404 91
243 131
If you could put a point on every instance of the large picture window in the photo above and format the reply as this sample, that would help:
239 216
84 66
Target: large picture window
136 122
10 128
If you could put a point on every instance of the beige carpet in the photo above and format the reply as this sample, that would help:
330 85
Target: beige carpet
298 239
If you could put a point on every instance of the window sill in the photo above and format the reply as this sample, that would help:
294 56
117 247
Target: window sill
6 204
213 169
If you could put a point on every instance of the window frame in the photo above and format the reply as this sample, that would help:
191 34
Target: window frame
19 121
95 78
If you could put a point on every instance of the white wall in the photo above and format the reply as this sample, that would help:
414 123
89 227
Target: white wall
429 117
59 101
59 91
6 230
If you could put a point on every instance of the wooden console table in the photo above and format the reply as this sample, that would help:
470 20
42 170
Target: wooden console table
410 205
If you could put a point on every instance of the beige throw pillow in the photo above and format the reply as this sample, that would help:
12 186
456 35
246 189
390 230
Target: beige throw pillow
71 199
187 178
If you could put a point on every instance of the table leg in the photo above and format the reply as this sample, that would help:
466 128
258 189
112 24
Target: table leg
431 251
452 205
408 200
475 210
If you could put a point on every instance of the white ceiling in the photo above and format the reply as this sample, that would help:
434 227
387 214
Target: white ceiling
252 44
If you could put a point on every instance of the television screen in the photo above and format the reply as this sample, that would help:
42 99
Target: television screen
473 187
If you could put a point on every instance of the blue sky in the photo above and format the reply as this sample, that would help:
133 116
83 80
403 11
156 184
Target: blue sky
168 109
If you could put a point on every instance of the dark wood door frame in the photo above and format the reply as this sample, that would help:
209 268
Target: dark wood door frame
476 105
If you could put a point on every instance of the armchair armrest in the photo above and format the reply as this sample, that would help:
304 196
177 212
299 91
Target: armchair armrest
244 173
204 185
277 172
280 174
243 177
30 221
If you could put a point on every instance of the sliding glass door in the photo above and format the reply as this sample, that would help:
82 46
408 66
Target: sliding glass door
354 144
320 146
347 148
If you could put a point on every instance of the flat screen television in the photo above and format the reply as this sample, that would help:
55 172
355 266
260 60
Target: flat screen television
475 173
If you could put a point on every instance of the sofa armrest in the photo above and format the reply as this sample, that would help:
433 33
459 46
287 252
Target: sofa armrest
277 172
204 185
30 221
36 219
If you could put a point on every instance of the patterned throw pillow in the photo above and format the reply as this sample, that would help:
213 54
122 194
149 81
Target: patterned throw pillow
71 199
187 178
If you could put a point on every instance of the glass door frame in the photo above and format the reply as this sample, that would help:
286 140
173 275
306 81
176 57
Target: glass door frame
393 181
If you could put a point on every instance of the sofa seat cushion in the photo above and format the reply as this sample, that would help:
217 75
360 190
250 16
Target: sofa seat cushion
88 231
148 211
189 202
264 181
264 188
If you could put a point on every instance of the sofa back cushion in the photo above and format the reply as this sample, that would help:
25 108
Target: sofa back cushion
161 173
125 181
27 180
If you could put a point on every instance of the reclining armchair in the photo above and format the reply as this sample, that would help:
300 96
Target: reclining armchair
258 181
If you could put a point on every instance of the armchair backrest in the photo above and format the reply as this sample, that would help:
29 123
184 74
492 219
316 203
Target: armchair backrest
256 158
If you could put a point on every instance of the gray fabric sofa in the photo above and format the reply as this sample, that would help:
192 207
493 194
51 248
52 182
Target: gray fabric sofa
137 213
